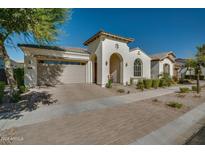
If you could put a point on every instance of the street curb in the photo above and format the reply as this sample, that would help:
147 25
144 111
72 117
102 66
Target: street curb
177 131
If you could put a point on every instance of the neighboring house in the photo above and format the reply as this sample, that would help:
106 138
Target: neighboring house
183 71
162 63
107 57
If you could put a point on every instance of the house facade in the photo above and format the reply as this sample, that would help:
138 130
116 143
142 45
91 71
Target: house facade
162 63
107 57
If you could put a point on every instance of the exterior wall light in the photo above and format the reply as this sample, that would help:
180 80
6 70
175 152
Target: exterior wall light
106 63
126 64
138 52
116 46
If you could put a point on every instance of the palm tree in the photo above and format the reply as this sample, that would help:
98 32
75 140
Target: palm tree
40 25
200 62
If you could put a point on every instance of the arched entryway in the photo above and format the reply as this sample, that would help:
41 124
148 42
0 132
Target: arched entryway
116 68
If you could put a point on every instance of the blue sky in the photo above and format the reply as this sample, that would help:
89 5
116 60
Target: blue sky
154 30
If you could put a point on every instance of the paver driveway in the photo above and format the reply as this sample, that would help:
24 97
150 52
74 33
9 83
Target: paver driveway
113 120
72 93
121 124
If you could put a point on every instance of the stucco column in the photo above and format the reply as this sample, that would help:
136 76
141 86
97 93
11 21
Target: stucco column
30 69
89 72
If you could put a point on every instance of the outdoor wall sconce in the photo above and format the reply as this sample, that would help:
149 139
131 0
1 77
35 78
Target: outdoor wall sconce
138 52
106 63
126 64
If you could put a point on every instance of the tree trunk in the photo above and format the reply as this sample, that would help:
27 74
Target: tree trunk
198 85
8 68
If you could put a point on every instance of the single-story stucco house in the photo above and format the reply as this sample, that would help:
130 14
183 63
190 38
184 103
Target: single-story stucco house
107 56
162 63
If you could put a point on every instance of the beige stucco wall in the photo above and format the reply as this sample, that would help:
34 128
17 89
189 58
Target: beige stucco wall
105 47
169 62
146 64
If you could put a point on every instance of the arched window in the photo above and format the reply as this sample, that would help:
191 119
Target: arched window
138 67
166 69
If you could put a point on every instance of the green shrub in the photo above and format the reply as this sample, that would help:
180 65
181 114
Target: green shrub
140 85
184 89
162 83
109 84
19 76
155 83
23 89
147 83
16 97
121 90
2 87
175 105
194 77
175 79
194 88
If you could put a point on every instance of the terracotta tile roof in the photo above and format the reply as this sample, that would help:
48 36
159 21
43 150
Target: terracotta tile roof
161 56
102 33
58 48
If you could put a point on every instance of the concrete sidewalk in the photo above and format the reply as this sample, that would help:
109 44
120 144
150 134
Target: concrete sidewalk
55 111
177 131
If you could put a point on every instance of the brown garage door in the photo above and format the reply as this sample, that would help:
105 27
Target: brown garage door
51 74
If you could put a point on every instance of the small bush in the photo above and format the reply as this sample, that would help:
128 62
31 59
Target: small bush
194 77
19 76
175 105
2 87
155 83
194 88
147 83
162 83
175 79
16 97
140 85
22 89
109 84
121 90
166 80
184 89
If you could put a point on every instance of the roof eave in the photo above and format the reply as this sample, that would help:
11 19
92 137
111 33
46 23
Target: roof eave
97 35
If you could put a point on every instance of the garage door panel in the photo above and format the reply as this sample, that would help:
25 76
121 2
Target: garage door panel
73 74
51 74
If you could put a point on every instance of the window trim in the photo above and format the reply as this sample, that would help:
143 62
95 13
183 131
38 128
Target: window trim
138 69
